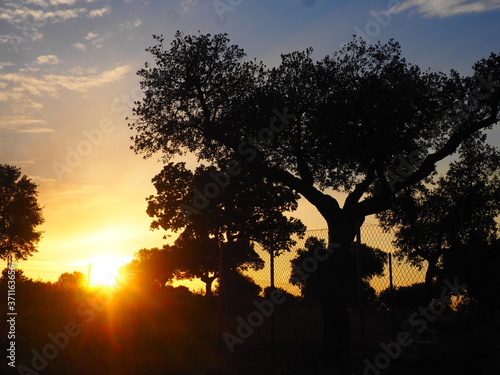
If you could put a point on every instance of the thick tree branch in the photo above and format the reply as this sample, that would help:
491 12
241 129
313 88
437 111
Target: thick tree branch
382 201
360 189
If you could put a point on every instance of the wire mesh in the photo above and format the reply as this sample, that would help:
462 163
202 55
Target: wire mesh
372 235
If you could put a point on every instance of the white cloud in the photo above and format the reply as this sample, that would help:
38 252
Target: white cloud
6 96
19 16
14 121
99 12
84 83
62 2
50 84
97 40
80 46
130 24
43 179
22 162
188 4
31 15
41 3
91 35
447 8
29 69
47 59
36 130
3 64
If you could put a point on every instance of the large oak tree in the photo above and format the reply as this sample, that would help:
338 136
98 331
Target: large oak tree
362 121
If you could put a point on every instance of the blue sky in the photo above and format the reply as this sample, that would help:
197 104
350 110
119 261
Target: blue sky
67 81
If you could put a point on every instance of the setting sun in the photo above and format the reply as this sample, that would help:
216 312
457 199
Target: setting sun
104 269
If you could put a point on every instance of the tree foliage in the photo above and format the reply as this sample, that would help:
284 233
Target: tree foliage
227 214
373 262
241 207
72 280
454 216
355 113
20 214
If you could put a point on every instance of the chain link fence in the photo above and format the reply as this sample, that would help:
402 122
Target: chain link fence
403 274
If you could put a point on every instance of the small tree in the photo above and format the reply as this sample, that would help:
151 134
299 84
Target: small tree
454 217
20 214
72 280
150 267
244 211
309 283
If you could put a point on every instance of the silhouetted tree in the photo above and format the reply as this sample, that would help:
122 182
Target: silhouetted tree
308 279
362 121
188 258
20 277
72 280
245 210
455 218
150 267
240 288
20 214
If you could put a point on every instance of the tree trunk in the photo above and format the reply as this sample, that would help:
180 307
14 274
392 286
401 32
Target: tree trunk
208 285
429 274
335 279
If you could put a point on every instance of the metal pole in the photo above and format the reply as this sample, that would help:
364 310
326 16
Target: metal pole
89 272
391 300
273 316
221 285
361 306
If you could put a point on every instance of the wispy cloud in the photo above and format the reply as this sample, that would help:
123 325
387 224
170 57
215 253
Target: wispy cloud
129 25
22 93
22 162
4 64
90 35
36 130
188 4
99 12
24 124
47 59
37 13
97 40
80 46
62 2
447 8
50 84
19 16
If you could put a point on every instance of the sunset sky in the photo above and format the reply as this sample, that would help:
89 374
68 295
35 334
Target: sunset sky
67 82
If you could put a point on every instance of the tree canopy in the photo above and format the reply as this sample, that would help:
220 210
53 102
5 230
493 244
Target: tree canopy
456 212
228 213
20 214
352 116
241 207
71 280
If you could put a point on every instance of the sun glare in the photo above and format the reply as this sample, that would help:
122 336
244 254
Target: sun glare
104 269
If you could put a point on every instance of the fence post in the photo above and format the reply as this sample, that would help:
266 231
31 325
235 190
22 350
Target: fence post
361 306
89 272
273 316
391 298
